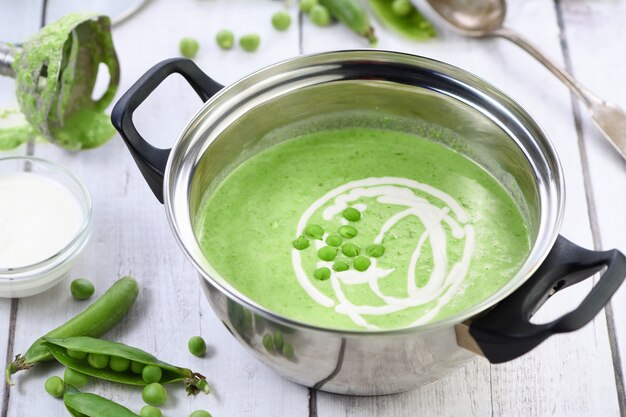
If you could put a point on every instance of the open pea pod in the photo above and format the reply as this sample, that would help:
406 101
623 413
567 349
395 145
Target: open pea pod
194 382
81 404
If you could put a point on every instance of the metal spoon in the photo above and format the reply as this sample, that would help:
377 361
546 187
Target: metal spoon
484 18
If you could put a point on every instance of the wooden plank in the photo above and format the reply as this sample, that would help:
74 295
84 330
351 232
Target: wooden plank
532 385
17 22
131 234
599 63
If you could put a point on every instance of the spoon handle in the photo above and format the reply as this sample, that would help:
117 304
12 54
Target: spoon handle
609 118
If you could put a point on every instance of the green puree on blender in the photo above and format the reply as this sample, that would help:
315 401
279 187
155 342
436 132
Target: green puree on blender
362 228
56 72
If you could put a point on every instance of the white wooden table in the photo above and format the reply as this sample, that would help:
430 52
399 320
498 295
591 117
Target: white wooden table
579 374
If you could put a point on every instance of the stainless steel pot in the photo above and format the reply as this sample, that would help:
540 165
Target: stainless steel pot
448 104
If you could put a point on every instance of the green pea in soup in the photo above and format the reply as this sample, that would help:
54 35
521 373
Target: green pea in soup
362 228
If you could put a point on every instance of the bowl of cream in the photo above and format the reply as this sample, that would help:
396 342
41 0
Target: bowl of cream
45 219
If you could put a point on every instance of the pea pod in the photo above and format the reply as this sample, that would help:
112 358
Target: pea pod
99 317
81 404
194 382
414 25
352 14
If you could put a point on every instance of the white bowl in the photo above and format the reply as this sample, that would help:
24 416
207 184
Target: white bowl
33 279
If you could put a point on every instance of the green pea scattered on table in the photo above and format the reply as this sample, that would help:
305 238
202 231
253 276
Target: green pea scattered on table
200 413
225 39
322 274
250 42
320 15
189 47
75 378
55 386
281 20
82 289
150 411
196 346
154 394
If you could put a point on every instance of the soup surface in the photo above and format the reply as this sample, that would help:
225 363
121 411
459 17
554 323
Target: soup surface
362 228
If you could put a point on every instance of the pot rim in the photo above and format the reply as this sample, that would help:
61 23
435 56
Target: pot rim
174 209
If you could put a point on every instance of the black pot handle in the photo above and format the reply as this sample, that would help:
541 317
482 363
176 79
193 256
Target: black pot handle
151 160
505 332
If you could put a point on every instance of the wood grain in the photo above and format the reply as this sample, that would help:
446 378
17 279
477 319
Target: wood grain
598 60
569 375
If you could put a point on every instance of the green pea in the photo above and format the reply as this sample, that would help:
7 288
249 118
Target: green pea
151 374
97 360
401 7
314 231
361 263
225 39
281 20
75 378
150 411
200 413
279 340
189 47
334 240
301 243
137 367
82 289
307 5
375 250
250 42
119 364
320 15
352 214
340 266
327 253
348 232
350 250
268 342
197 346
154 394
55 386
76 354
322 274
288 351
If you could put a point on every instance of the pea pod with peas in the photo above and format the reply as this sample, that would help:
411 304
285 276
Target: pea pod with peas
96 320
116 362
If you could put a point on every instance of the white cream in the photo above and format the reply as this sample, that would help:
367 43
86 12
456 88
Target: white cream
38 218
442 283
